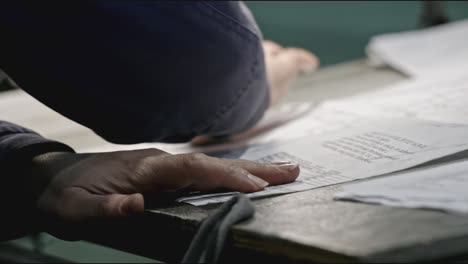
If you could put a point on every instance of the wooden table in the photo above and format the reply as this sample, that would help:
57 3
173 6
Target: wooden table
305 226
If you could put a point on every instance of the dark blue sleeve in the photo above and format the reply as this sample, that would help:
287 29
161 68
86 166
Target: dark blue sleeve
136 71
19 144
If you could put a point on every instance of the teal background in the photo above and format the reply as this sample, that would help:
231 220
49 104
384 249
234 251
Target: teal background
336 31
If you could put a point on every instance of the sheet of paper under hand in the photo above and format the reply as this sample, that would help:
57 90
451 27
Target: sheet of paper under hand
443 187
376 148
439 50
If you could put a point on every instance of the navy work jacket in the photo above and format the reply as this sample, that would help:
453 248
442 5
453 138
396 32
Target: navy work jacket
139 71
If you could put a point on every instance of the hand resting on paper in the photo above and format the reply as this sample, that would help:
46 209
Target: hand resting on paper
74 188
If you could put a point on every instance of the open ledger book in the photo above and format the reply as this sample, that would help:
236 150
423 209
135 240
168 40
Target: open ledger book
400 127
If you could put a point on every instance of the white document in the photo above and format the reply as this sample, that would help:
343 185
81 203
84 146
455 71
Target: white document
435 51
443 187
437 99
322 119
376 148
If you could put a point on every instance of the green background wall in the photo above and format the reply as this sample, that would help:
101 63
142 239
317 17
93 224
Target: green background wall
339 30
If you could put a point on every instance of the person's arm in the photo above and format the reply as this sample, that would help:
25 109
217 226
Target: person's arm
18 147
47 187
136 71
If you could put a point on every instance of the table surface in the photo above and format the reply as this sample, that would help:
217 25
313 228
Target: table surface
303 226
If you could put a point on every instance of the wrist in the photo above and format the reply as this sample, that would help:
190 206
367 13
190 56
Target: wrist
44 167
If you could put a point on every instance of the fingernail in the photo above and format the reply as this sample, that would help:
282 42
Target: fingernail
280 162
257 181
289 167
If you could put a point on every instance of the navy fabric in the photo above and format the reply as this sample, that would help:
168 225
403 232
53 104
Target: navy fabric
17 142
18 146
139 71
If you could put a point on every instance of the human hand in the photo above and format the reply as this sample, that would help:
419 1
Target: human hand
83 187
283 65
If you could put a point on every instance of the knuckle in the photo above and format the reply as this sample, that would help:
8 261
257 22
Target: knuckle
262 166
192 159
231 169
143 168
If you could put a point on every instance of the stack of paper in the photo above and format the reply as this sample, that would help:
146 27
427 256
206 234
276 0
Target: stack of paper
375 148
444 187
438 99
336 137
435 51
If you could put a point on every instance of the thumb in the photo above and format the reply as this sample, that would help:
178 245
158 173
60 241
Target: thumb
119 205
83 205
